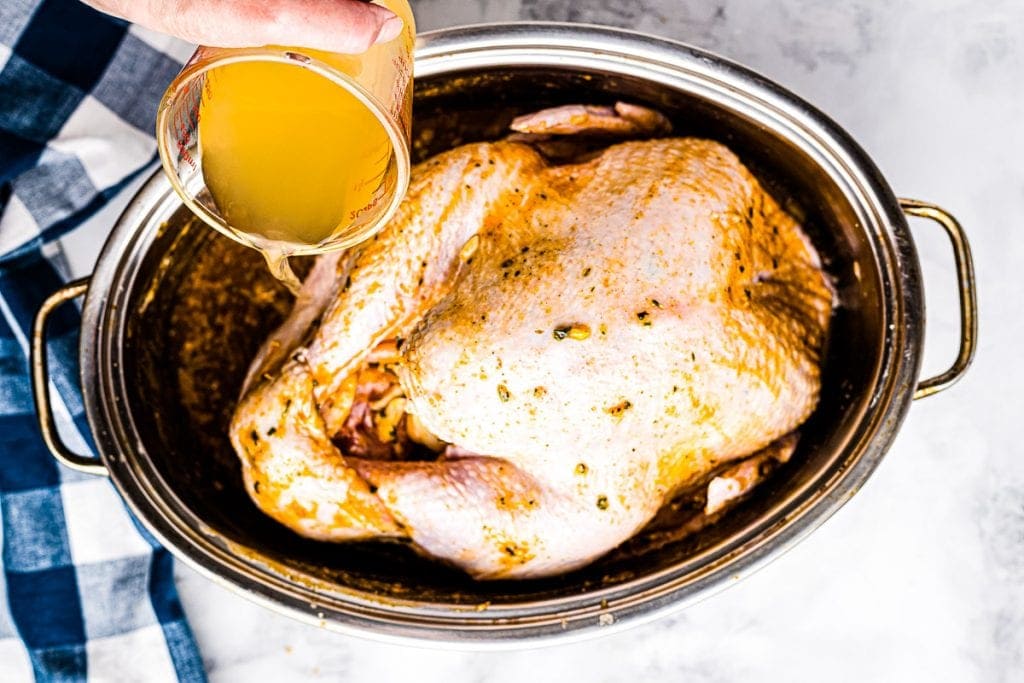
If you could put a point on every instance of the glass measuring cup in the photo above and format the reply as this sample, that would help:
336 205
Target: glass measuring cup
290 150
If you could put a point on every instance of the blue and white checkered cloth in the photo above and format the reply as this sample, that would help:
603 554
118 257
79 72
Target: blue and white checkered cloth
85 592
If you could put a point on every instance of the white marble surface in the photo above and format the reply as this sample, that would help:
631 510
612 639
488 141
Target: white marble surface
921 576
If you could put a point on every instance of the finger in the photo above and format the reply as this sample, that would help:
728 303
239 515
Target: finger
349 26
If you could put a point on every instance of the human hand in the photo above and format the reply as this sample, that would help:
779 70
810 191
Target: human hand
350 26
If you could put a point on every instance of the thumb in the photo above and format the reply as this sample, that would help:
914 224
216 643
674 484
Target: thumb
350 26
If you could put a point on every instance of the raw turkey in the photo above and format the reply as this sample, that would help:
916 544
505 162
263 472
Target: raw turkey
556 334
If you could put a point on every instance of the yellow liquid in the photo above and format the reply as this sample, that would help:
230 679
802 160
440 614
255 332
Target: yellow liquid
290 158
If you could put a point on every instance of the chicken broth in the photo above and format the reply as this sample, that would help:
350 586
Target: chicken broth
290 172
293 168
276 255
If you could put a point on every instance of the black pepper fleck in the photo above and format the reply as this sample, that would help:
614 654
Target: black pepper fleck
619 408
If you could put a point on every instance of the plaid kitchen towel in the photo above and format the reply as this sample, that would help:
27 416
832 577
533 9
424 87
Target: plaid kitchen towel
85 593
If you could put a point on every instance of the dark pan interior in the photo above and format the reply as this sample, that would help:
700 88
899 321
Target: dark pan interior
213 303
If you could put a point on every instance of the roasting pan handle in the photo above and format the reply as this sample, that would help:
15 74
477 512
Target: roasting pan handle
968 299
41 382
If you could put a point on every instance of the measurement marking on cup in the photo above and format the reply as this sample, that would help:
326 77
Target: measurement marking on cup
378 196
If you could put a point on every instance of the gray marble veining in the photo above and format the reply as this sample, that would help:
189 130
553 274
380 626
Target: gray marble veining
921 576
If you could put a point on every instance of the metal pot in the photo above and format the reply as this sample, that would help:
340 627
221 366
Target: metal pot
173 312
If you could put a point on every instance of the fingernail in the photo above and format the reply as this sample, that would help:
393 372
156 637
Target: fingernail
390 29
